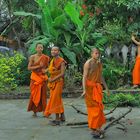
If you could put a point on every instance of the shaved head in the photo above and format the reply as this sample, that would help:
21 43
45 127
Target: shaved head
39 43
56 47
95 49
95 53
55 51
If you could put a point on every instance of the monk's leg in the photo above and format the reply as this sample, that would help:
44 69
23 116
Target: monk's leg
62 117
34 114
57 117
97 133
57 120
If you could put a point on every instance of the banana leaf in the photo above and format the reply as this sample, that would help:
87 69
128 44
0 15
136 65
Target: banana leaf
73 13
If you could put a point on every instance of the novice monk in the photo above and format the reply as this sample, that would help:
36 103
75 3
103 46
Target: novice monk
56 81
92 89
38 85
136 70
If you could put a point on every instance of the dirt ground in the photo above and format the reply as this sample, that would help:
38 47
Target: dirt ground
18 124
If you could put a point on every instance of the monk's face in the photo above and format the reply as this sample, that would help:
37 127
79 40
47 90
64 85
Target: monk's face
95 54
39 48
55 51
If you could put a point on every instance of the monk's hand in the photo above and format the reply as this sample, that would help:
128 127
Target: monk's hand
44 70
83 94
41 64
50 80
108 92
133 37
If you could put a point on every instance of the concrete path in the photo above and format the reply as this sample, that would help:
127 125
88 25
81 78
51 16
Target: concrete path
17 124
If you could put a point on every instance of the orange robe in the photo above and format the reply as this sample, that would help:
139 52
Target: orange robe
93 98
55 104
136 72
38 87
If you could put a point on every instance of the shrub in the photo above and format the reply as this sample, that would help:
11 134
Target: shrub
122 99
23 78
9 68
116 74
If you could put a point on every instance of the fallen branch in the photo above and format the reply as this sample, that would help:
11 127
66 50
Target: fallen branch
123 128
84 123
78 111
83 113
113 122
111 111
77 123
84 126
117 119
110 119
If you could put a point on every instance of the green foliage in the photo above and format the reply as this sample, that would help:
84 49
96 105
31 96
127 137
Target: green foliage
115 31
131 5
73 78
70 55
23 76
122 99
23 13
115 19
115 74
46 17
9 69
100 40
71 10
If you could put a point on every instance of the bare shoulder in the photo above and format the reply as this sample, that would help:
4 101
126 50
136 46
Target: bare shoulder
100 63
63 64
32 57
87 63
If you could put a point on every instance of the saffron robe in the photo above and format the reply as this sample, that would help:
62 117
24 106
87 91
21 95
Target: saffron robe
55 104
94 96
136 72
38 86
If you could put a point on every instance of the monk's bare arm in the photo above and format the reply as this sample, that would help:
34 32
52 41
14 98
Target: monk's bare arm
85 72
61 74
30 64
45 70
105 85
135 41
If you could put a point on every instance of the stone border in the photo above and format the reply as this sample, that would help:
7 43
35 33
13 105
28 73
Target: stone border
66 94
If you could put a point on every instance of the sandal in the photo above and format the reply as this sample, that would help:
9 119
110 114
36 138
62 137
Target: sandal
62 118
34 115
55 122
99 134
